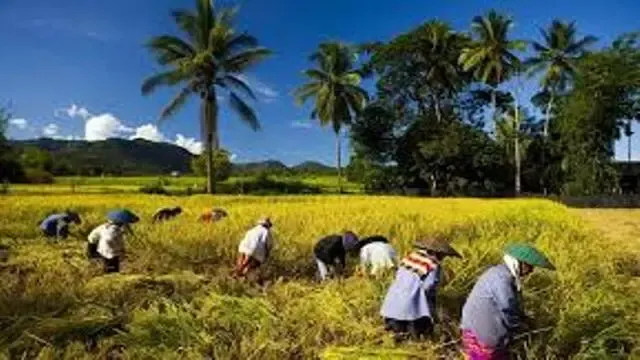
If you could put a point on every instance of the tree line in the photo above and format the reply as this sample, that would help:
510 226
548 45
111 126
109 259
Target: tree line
447 114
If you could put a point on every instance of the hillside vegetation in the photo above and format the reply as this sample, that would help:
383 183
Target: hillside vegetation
174 298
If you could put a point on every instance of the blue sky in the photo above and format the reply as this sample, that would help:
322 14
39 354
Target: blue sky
73 68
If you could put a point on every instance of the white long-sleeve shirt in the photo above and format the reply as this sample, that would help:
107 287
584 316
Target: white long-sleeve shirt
377 257
110 240
257 243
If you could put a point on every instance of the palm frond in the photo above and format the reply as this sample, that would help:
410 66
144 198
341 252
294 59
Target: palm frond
168 78
241 41
303 93
245 59
235 83
582 45
318 75
244 111
175 104
170 49
186 21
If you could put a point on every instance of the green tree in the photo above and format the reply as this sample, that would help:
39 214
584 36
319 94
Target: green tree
221 165
491 53
335 87
208 60
556 60
35 158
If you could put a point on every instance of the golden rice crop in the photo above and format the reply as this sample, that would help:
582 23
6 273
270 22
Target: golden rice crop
174 298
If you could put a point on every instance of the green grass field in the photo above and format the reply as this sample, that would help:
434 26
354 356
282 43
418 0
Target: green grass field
327 184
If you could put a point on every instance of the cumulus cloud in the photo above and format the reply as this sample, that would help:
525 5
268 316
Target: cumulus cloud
191 144
233 157
149 132
50 130
19 123
302 124
104 126
74 111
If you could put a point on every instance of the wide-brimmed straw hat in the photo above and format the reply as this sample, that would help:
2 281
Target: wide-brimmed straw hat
123 216
438 245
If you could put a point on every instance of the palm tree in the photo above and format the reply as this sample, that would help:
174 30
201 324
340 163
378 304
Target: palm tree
209 59
512 133
555 60
440 46
335 87
490 55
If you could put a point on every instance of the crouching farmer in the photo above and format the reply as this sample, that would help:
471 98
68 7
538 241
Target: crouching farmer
164 214
57 225
255 248
409 307
493 311
107 240
376 255
330 253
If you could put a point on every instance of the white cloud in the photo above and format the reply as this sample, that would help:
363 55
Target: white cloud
104 126
19 123
233 157
302 124
191 144
149 132
50 130
74 111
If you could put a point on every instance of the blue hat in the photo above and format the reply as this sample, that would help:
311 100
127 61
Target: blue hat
122 216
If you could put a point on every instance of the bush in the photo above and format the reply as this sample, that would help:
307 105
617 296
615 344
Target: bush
157 187
263 184
38 176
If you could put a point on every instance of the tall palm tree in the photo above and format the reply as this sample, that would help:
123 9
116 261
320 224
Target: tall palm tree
335 88
209 59
491 53
555 60
512 133
440 47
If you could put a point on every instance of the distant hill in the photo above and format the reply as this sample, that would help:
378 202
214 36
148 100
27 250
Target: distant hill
314 167
271 166
120 157
112 156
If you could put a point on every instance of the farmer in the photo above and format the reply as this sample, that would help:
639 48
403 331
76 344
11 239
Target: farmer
376 255
493 310
330 252
213 215
410 304
107 240
166 214
255 249
57 225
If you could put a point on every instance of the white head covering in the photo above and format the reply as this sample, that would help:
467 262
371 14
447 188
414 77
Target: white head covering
513 265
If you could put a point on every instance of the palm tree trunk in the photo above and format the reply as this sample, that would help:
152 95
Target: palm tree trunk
436 105
339 160
494 107
547 116
209 120
516 150
629 134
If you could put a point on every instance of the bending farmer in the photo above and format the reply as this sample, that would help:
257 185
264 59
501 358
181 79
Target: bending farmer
409 308
107 240
255 248
493 311
330 252
376 255
57 225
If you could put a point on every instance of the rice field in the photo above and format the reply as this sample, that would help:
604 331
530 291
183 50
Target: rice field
175 300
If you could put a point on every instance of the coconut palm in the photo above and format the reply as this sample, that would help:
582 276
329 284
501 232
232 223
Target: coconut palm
440 46
555 60
335 88
208 60
491 53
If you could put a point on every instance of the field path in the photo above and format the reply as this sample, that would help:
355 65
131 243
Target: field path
618 224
